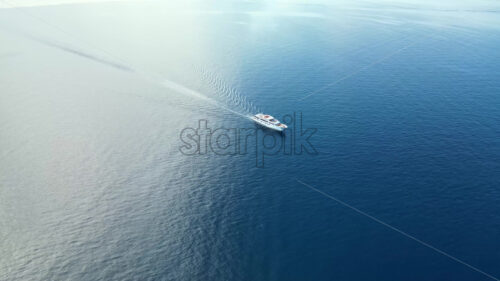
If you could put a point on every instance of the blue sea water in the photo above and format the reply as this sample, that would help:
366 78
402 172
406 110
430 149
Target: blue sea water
405 103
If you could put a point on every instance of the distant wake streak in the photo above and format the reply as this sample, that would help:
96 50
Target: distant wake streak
358 70
81 54
396 230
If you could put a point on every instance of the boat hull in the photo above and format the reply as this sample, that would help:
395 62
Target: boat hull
267 124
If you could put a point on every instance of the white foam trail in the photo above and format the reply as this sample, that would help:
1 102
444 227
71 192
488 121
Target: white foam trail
237 101
184 90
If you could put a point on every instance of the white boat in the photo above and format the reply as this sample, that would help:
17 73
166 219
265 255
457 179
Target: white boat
269 122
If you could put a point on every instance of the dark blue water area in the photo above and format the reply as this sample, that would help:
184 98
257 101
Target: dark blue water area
412 141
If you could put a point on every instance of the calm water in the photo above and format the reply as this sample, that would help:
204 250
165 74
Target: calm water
94 96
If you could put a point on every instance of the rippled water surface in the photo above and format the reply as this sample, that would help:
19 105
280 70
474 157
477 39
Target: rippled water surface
405 98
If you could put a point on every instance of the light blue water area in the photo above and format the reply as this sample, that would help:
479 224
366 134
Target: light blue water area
404 98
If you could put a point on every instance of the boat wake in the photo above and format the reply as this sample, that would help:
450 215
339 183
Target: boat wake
227 93
109 59
152 77
187 91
